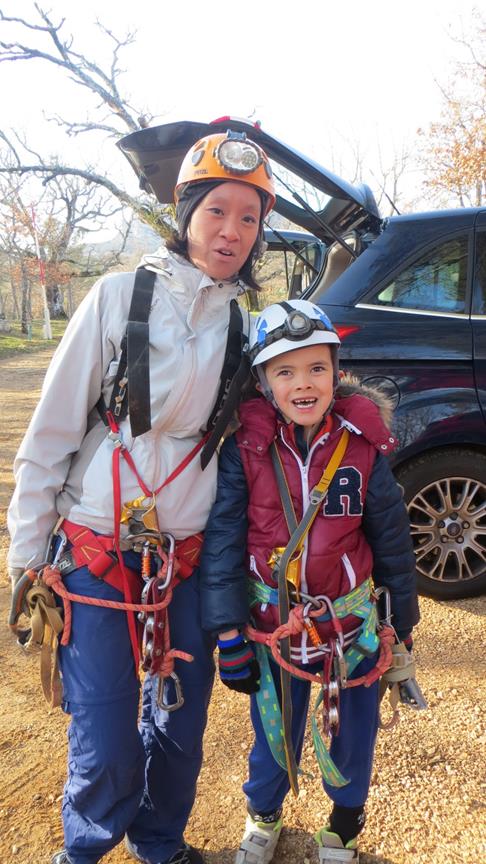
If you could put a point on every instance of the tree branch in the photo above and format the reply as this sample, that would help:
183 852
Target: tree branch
82 71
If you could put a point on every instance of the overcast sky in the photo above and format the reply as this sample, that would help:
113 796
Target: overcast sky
316 74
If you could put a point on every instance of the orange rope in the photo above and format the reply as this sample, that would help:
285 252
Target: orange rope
52 578
387 638
296 625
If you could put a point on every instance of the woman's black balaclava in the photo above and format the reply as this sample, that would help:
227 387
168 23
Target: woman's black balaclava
189 198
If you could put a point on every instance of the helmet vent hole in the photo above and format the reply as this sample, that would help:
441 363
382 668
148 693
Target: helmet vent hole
197 156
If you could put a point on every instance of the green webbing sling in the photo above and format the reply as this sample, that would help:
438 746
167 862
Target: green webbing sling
358 602
281 573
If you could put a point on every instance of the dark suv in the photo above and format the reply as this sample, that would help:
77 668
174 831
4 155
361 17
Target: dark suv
408 295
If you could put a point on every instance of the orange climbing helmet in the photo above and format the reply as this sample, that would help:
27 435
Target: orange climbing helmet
228 156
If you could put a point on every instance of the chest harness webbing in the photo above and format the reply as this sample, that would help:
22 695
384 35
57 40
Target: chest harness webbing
102 554
133 376
338 664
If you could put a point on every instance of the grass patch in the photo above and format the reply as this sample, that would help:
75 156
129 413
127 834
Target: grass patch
17 342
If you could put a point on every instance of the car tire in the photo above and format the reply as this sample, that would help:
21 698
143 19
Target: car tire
445 494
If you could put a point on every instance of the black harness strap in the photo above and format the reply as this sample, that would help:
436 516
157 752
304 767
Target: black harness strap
134 353
233 376
138 353
131 388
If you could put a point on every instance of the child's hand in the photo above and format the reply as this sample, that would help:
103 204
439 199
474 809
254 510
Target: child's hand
238 666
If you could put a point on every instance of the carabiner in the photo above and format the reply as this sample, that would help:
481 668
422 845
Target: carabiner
309 600
326 603
340 667
170 562
179 700
383 591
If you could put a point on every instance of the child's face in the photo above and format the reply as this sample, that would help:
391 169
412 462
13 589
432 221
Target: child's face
302 383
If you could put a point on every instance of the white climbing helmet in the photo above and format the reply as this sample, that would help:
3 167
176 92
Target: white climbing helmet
286 326
289 325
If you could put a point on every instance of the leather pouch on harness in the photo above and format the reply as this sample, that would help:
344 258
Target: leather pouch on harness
399 680
38 603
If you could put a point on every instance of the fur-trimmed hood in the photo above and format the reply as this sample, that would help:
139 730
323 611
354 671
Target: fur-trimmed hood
350 385
364 410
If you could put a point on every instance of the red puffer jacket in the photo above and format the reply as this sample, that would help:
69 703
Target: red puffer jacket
336 556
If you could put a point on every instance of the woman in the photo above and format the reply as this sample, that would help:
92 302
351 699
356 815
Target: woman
94 474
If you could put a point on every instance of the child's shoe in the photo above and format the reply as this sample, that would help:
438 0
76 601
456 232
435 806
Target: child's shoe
332 850
259 841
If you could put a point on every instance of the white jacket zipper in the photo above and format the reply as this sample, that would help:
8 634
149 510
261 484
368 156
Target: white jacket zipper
304 477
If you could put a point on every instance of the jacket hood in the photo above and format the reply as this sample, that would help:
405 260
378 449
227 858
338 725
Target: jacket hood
158 260
170 263
363 409
350 385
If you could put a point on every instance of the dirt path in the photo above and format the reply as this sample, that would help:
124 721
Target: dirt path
425 803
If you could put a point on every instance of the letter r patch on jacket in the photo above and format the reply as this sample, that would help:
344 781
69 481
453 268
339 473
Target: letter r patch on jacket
344 494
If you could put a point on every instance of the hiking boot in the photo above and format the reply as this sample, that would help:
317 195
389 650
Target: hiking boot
184 855
259 841
332 849
61 857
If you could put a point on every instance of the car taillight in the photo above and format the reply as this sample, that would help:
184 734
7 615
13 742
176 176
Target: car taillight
344 331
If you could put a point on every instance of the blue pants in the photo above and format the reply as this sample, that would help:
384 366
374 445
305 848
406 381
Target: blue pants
351 750
124 779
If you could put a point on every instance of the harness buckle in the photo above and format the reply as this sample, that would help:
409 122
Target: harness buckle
316 497
179 700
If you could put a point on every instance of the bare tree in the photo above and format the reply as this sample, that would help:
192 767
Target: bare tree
54 219
115 115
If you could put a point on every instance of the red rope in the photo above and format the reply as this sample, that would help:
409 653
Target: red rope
52 579
387 638
296 625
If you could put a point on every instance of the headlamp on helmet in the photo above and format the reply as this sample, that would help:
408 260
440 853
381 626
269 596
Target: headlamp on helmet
297 326
237 154
228 156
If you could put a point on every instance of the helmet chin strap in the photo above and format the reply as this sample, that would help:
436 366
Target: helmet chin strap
265 386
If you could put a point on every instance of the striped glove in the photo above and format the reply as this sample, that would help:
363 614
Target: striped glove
238 667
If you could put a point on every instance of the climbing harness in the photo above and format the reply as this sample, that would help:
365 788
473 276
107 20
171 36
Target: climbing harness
131 388
339 664
78 546
298 533
103 557
299 612
236 368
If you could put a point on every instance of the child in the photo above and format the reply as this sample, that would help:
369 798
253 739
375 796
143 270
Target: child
304 421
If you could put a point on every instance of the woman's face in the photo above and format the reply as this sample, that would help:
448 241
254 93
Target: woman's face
223 229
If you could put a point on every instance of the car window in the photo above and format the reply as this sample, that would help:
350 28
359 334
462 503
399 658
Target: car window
480 273
435 282
282 273
287 183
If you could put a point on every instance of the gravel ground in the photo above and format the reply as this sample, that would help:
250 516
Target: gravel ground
426 804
